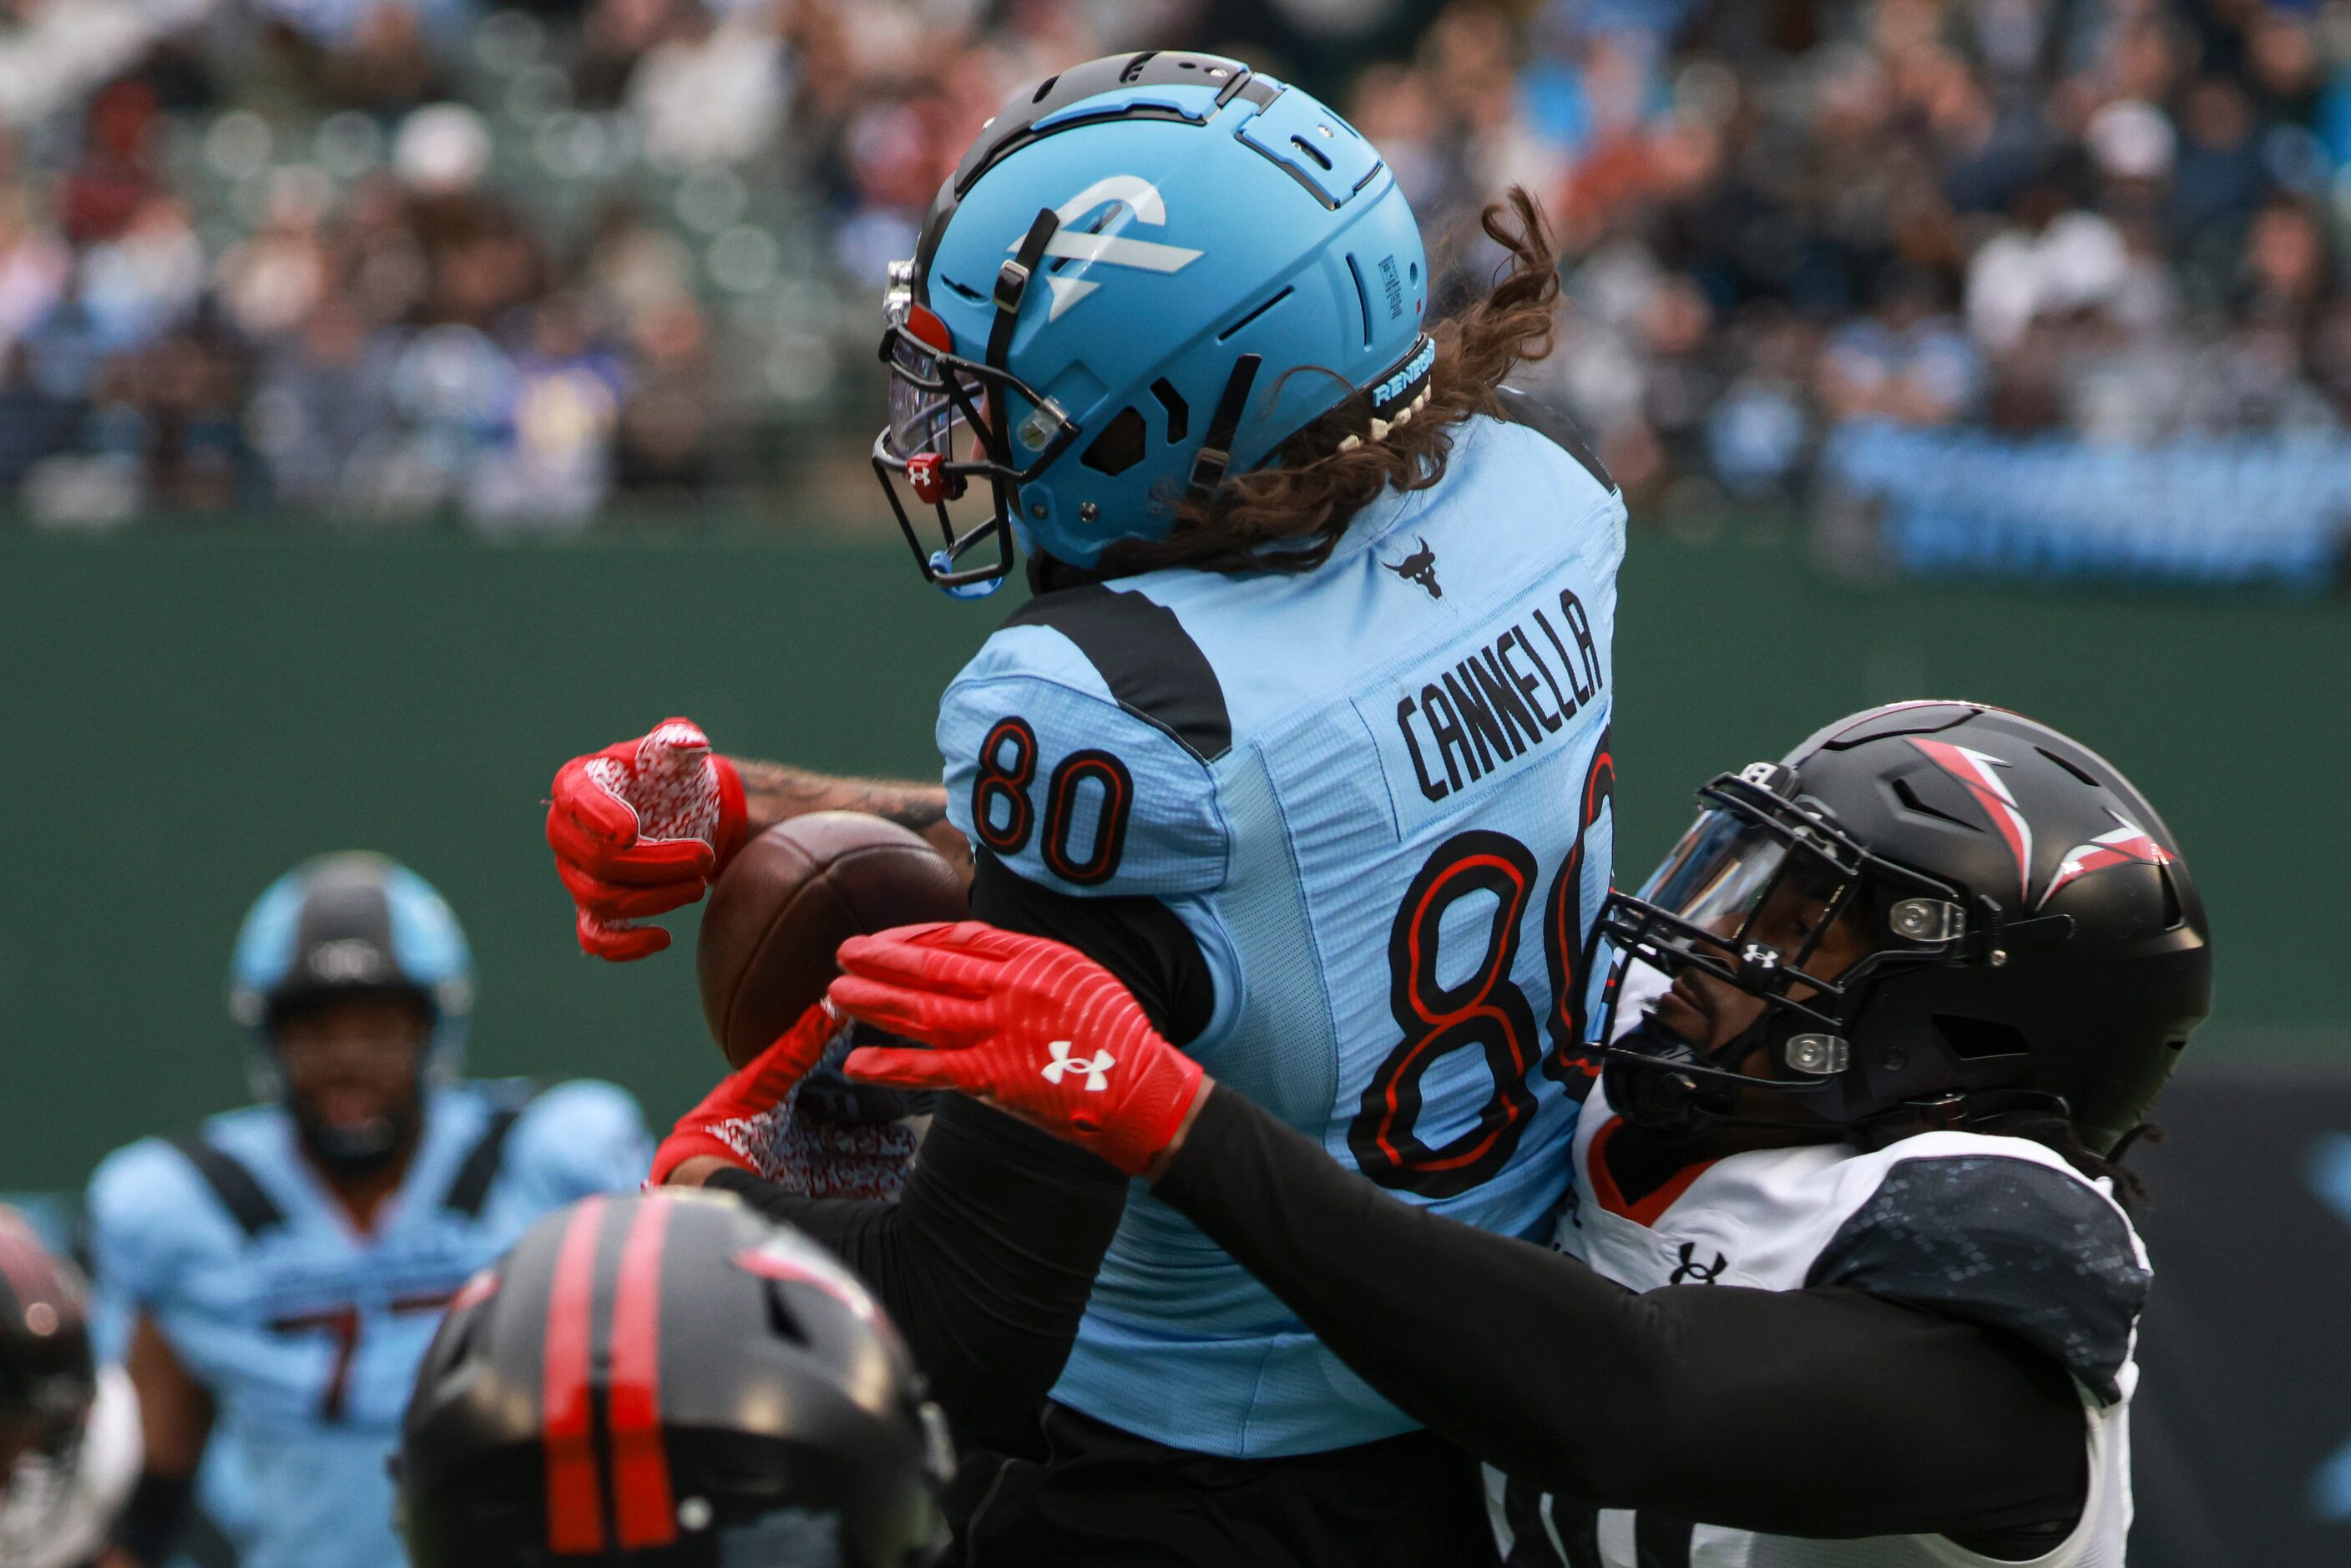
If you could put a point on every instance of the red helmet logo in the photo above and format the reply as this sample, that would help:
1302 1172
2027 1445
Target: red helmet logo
2128 844
1974 771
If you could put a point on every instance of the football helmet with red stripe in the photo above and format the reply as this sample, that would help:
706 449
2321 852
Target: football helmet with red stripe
1933 911
667 1380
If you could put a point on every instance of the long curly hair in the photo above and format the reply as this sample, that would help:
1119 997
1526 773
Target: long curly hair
1289 516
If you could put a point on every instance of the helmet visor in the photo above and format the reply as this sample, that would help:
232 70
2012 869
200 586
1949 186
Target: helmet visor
1762 895
925 416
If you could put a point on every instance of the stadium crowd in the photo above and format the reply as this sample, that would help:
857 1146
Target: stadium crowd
383 259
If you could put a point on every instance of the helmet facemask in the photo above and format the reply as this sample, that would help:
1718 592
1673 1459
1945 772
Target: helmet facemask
1766 906
964 434
39 1490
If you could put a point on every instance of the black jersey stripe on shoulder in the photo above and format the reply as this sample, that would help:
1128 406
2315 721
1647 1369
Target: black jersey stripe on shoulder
1146 658
469 1190
239 1193
2006 1242
1554 425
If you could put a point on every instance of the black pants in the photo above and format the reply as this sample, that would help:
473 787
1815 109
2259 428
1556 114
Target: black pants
1101 1496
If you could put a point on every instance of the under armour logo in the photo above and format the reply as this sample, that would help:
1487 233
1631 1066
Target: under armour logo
1097 1068
1141 203
1419 567
1694 1271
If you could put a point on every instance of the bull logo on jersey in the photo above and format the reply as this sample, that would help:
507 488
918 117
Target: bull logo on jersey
1977 773
1419 567
1127 193
2128 844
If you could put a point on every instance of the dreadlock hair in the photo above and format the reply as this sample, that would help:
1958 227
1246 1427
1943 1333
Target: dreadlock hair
1288 516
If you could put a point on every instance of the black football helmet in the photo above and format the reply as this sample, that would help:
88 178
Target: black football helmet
2027 934
666 1380
47 1381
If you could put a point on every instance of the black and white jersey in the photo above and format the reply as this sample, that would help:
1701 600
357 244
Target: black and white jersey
1994 1230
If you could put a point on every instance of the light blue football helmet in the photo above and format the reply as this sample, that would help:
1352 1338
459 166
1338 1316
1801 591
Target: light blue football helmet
1149 272
352 922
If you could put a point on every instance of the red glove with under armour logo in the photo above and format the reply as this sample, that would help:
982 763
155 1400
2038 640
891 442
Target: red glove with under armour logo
640 828
741 1120
1027 1025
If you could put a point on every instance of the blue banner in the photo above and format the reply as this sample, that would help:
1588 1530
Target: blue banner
2253 511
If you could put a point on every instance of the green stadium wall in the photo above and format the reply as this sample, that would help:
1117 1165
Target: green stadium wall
186 715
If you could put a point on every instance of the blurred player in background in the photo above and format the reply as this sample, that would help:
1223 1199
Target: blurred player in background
69 1429
668 1379
1318 645
1893 1008
285 1267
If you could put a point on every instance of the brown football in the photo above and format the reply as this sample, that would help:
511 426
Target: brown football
790 898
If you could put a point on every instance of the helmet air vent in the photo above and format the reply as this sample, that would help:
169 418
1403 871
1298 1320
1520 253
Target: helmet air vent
1043 88
1226 336
2174 915
1120 446
2073 768
1179 413
1910 803
780 1317
1975 1039
1363 295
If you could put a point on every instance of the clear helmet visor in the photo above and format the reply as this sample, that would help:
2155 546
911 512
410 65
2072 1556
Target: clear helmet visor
1719 873
924 413
1741 882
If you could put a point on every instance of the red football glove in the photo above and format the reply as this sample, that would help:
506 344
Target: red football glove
741 1118
1026 1024
639 829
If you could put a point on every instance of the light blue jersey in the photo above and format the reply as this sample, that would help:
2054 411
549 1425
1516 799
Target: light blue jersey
1377 795
308 1333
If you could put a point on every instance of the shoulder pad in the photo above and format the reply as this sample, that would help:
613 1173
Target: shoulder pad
150 1212
1077 748
2007 1241
577 1138
1554 425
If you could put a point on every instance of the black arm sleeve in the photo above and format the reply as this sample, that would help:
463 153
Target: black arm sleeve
984 1261
987 1258
1824 1412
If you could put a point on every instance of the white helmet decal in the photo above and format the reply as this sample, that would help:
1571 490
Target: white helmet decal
1138 196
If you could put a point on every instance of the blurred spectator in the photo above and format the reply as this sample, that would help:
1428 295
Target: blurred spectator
712 89
323 406
1907 360
508 261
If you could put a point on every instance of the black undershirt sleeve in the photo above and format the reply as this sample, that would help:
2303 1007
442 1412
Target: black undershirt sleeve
1824 1412
984 1261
